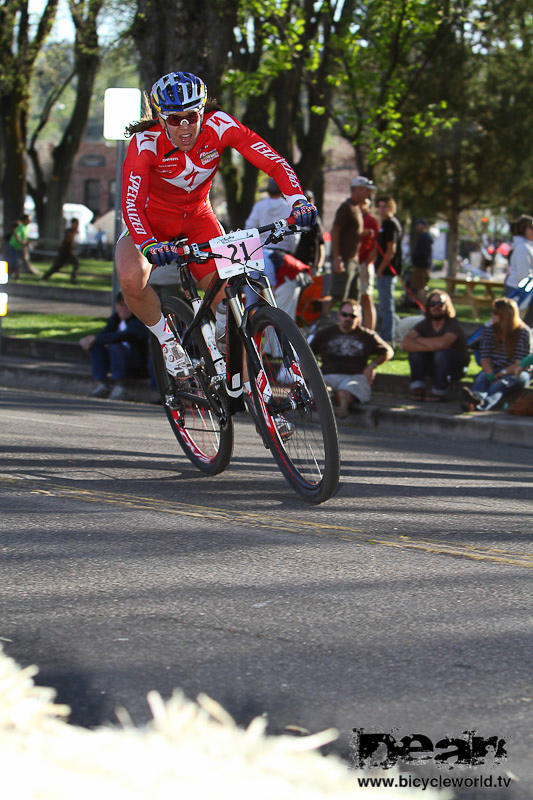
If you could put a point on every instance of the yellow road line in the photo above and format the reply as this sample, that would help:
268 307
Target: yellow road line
272 522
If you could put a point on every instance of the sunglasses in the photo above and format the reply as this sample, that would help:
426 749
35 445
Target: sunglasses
435 303
346 314
175 119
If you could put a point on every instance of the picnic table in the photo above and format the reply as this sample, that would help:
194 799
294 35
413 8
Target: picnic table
475 299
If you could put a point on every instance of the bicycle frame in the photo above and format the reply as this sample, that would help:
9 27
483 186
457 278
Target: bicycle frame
236 322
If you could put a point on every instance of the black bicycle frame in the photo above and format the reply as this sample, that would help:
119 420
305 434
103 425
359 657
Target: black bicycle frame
237 322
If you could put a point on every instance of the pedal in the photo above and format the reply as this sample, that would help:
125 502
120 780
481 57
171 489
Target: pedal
217 380
173 402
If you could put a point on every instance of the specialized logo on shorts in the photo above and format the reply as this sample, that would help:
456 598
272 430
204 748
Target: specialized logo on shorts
147 141
221 122
191 177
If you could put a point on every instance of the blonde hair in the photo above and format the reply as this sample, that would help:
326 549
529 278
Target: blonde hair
509 325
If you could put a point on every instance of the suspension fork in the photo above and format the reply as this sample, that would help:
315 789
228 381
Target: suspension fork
201 319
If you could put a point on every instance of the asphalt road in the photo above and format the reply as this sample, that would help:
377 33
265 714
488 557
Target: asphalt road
402 605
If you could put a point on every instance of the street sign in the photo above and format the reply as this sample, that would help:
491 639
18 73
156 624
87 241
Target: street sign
121 108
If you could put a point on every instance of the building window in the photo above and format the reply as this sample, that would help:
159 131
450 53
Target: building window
91 195
111 195
91 160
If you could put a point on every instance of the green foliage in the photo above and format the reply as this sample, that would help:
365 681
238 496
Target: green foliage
380 60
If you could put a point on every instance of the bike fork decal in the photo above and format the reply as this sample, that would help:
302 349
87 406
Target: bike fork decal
297 372
263 386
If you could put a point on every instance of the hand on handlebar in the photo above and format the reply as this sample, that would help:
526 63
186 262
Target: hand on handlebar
304 214
161 253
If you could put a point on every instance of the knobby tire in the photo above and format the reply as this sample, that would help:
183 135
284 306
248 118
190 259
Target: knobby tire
204 440
309 459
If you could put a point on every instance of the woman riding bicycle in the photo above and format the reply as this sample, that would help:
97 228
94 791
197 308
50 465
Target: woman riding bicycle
168 172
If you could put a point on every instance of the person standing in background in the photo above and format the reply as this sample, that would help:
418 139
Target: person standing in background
366 256
346 233
421 259
388 264
17 247
66 253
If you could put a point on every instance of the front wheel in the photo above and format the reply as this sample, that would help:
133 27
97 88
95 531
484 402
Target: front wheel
293 407
198 414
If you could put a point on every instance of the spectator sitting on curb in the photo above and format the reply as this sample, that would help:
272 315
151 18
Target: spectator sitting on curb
120 348
504 348
437 347
345 349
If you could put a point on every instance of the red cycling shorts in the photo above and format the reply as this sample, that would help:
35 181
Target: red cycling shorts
198 226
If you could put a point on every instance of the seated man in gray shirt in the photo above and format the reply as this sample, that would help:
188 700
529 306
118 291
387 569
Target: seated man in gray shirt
345 349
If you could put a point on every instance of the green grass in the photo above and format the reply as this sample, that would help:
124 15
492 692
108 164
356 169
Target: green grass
399 365
62 327
97 274
92 274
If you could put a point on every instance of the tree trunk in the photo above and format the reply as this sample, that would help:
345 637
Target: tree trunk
14 177
192 37
452 242
86 63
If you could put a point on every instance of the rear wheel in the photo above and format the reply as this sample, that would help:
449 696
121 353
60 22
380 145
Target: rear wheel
293 407
198 413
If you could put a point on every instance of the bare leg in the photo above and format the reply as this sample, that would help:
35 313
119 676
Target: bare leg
133 272
344 399
369 312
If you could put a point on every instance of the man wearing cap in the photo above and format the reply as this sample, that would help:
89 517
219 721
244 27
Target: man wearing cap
421 258
346 233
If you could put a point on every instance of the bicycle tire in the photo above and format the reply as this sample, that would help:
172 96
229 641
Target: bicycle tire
206 442
309 459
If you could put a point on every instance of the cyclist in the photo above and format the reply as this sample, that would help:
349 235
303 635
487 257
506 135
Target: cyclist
168 172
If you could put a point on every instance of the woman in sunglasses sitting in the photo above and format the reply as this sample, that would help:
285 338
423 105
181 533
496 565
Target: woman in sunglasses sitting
437 349
505 346
169 167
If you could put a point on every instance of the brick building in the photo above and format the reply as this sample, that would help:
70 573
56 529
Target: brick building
92 181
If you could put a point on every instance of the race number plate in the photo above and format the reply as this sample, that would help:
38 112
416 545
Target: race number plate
238 251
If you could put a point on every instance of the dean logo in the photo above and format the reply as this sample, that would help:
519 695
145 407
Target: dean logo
383 750
209 156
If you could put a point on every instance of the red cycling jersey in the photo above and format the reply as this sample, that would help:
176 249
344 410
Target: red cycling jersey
165 192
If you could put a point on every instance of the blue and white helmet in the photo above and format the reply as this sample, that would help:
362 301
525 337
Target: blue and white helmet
178 91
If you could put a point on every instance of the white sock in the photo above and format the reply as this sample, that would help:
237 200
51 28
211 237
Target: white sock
161 330
247 387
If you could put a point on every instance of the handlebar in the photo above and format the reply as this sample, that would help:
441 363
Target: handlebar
199 252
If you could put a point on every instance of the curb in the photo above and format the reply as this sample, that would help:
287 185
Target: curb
387 413
64 377
493 426
59 293
44 349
